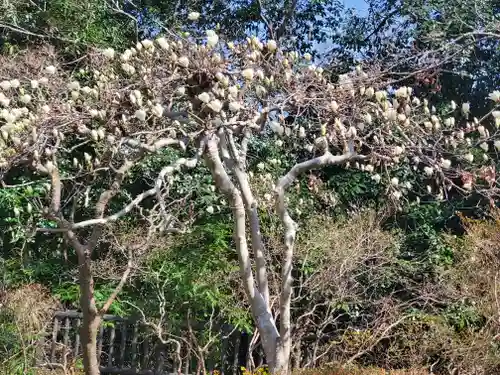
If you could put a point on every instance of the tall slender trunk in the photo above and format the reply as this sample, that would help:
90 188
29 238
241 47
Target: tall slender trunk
91 319
280 364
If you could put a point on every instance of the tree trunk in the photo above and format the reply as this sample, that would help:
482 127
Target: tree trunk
91 319
89 343
281 362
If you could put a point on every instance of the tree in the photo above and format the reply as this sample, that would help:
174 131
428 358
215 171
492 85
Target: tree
449 47
217 102
70 25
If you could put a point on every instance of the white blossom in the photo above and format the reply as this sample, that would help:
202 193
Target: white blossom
248 74
25 98
14 83
157 110
125 56
109 53
183 61
215 105
351 132
445 163
259 73
127 68
272 45
453 105
45 108
369 92
5 85
147 43
204 97
392 114
368 118
162 42
193 16
210 209
4 101
260 91
484 146
276 127
334 106
394 181
212 38
376 178
234 106
51 69
466 108
495 96
222 79
381 95
369 168
140 114
497 144
100 133
307 56
469 157
402 92
397 194
450 121
191 163
233 90
429 171
398 150
302 132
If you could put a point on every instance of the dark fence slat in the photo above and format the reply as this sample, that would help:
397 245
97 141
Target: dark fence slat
100 340
112 334
139 353
127 371
145 352
67 327
134 346
55 331
236 355
106 317
160 359
77 336
123 343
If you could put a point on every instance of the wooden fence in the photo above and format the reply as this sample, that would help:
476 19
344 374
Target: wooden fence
125 346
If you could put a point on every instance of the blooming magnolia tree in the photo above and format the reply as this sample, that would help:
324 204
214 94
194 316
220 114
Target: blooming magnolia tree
211 100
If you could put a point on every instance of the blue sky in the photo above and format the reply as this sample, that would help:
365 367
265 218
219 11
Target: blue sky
360 5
